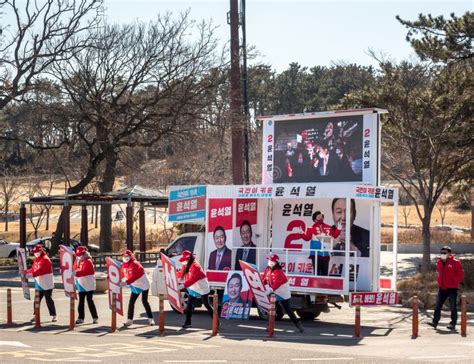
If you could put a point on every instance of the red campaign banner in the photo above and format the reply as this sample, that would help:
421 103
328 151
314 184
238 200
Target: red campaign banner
66 261
21 259
373 298
114 277
256 285
316 282
187 205
220 213
246 210
171 281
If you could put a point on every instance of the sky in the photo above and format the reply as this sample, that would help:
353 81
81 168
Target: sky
309 32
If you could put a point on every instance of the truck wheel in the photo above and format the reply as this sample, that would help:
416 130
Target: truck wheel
12 254
308 316
184 297
278 314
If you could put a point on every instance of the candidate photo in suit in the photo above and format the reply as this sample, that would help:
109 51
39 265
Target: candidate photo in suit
221 258
245 252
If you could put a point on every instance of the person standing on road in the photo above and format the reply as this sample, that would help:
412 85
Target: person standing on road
42 272
194 280
278 284
135 277
85 283
450 275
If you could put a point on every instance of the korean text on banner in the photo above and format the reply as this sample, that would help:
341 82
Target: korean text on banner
237 299
114 277
66 261
171 281
374 298
20 256
187 204
256 285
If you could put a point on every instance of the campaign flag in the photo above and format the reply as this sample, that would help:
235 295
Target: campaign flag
114 277
20 257
256 285
237 299
66 261
171 281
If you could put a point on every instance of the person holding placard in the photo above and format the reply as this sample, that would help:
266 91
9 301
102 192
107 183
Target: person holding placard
42 272
136 279
85 283
194 280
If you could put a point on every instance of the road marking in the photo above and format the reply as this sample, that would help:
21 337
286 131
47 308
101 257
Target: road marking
194 361
438 357
14 343
319 359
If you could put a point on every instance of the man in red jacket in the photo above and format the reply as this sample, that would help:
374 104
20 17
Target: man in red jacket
450 274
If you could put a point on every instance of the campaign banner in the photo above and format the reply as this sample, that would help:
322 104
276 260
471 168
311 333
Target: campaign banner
322 147
171 282
245 240
373 298
114 277
255 283
219 234
237 299
66 262
21 259
187 204
293 239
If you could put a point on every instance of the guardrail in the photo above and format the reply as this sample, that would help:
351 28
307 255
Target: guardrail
148 257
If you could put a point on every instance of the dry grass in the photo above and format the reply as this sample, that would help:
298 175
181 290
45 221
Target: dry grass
406 236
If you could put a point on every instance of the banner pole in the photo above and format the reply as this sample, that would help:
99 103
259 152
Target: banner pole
37 310
114 313
357 316
162 314
463 316
271 316
9 307
414 322
71 312
215 314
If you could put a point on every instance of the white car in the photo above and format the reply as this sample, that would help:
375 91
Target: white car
8 250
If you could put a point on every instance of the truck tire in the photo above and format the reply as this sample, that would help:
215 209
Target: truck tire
308 315
12 254
278 314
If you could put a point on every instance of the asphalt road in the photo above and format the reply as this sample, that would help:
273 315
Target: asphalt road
386 338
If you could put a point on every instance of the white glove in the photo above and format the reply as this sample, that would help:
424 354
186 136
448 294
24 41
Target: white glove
180 287
123 284
339 226
269 291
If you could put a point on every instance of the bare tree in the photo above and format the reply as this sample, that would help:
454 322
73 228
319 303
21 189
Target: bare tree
40 34
443 206
8 192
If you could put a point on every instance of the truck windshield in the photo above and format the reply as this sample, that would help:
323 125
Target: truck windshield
184 243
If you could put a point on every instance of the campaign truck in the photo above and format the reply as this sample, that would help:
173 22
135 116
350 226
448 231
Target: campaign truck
318 208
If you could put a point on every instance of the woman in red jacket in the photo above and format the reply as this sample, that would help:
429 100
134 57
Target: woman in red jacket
42 271
85 283
135 277
450 275
278 284
194 280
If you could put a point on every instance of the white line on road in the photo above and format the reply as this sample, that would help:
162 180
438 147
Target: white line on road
438 357
14 343
194 361
319 359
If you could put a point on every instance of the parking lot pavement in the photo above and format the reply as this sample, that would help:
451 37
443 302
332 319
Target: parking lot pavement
386 337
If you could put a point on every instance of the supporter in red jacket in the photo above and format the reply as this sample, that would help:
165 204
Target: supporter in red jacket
278 284
42 272
450 275
85 283
194 280
135 277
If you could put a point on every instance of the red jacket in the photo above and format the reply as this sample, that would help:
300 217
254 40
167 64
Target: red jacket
195 274
84 267
41 266
450 273
274 278
320 228
132 270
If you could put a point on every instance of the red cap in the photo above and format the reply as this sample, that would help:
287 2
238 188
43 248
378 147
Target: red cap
185 255
274 258
80 250
127 253
38 248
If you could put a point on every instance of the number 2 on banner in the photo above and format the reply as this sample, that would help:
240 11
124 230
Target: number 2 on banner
66 265
294 236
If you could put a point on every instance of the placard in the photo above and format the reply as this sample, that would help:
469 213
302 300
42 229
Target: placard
373 298
21 259
237 299
171 282
254 280
114 277
66 262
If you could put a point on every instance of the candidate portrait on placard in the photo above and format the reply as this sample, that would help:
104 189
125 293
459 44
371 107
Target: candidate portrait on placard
237 298
221 257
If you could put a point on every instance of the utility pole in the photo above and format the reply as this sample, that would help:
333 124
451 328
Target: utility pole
235 95
245 95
